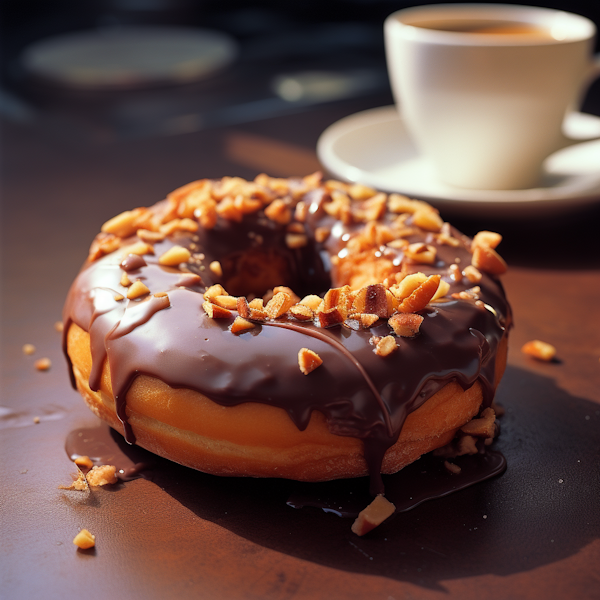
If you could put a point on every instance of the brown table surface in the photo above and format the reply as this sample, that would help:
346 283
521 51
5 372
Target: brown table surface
531 533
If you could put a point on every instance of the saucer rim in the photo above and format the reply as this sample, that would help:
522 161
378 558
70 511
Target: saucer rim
525 202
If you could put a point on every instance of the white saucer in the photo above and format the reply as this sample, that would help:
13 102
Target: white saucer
373 148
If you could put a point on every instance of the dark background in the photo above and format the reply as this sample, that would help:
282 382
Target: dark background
276 38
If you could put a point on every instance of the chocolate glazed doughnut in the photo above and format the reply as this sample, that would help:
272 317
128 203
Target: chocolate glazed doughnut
289 328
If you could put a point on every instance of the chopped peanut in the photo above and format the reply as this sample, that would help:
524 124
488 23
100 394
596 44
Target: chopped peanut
405 324
102 475
28 349
137 290
215 312
373 515
386 345
174 256
215 267
84 540
84 461
540 350
43 364
240 325
308 360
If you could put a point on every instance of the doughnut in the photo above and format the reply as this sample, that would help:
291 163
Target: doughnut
299 328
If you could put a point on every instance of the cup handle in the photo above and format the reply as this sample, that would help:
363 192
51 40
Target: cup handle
592 74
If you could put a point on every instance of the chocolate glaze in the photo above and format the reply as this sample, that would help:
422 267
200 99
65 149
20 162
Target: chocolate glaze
361 394
424 480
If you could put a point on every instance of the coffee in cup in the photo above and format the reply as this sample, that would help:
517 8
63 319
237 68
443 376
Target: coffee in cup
484 89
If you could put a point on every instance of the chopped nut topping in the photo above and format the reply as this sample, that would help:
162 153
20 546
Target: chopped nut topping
246 205
43 364
85 540
36 420
206 213
125 281
386 345
58 326
366 319
486 239
295 228
308 360
214 311
102 475
279 211
408 285
358 191
301 312
283 288
405 324
455 272
278 305
229 302
374 300
125 224
215 267
452 468
330 317
174 256
312 301
228 210
150 237
484 426
373 515
139 248
256 304
137 290
118 297
472 274
213 291
428 219
421 253
104 243
240 325
421 296
296 240
467 445
540 350
28 349
301 212
488 260
84 461
321 234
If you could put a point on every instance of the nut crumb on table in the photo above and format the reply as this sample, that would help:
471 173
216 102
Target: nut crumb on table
85 540
540 350
43 364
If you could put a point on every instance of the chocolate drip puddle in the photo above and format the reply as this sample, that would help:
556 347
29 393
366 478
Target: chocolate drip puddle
426 479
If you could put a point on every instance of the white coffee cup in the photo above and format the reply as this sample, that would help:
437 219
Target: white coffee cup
487 108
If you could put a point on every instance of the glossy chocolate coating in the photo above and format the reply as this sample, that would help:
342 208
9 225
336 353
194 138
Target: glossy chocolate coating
360 393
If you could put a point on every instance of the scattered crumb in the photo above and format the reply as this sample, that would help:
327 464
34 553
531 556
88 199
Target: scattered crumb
102 475
84 461
540 350
36 420
216 268
79 483
28 349
43 364
373 515
59 326
452 468
84 540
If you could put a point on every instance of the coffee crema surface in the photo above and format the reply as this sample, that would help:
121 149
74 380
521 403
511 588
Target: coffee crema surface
488 27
